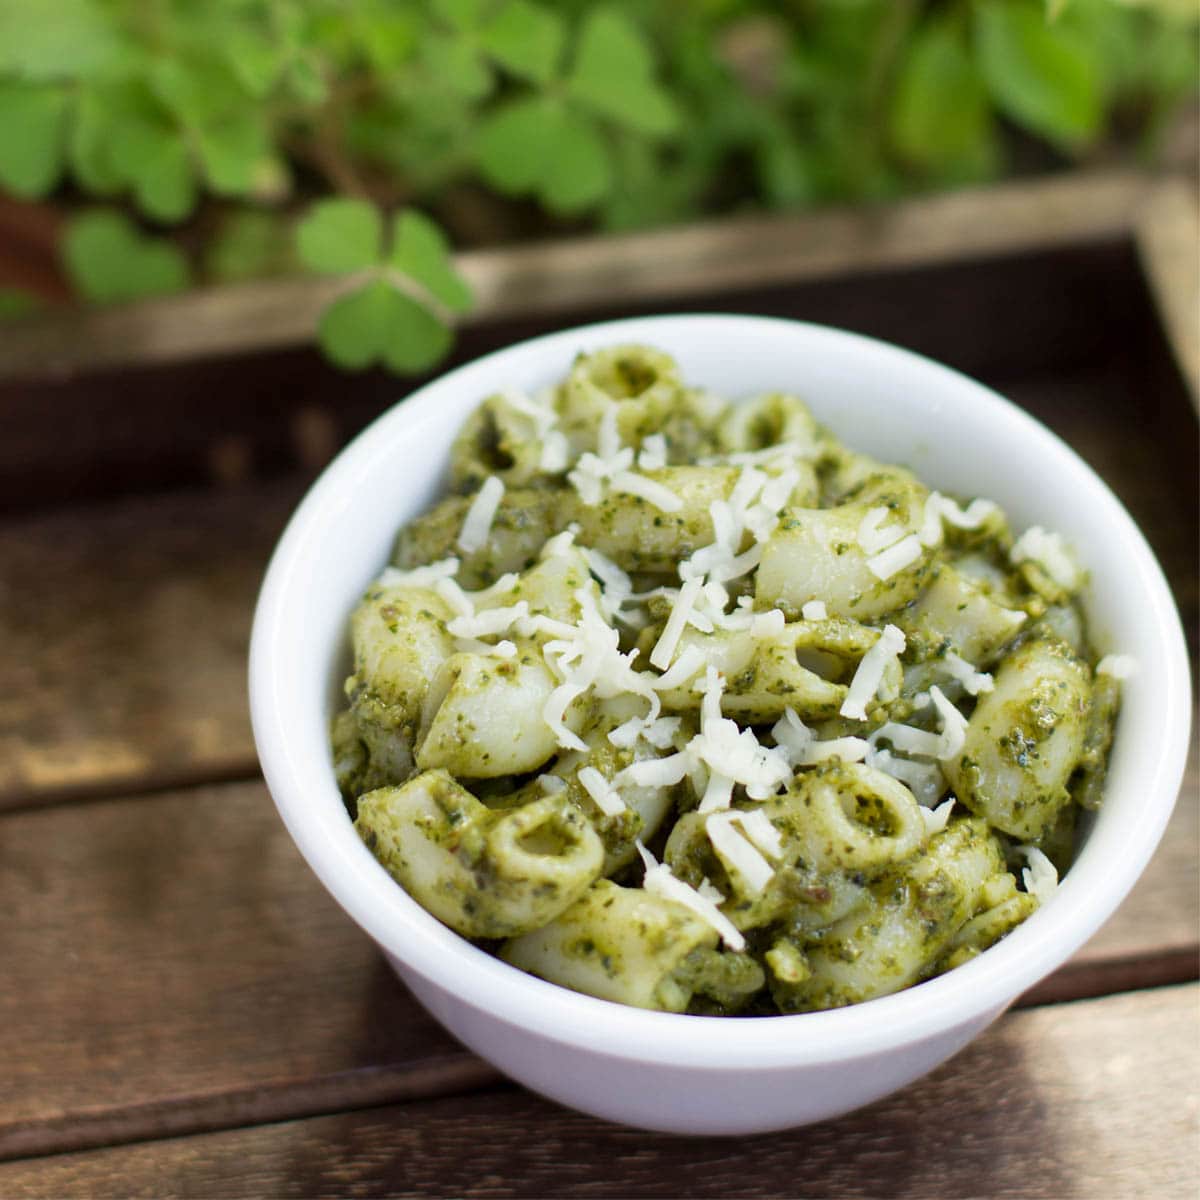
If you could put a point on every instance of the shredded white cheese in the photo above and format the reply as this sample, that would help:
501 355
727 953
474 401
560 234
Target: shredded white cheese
1040 876
802 749
767 625
488 623
653 454
869 675
758 828
477 524
607 798
1118 666
552 785
954 726
650 490
907 739
419 577
895 558
974 682
815 610
737 853
664 650
659 881
874 535
936 819
1048 551
939 508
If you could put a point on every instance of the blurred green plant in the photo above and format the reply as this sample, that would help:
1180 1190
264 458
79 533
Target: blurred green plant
234 139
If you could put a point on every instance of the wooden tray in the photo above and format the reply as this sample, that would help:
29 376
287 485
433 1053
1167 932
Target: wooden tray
184 1011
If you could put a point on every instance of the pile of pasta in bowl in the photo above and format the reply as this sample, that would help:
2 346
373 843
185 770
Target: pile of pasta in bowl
684 704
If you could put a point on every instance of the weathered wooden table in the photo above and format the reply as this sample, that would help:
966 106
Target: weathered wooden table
184 1011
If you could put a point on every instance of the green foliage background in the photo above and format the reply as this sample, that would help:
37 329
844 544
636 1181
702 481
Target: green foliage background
221 140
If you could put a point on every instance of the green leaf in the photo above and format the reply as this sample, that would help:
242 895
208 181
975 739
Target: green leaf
511 144
538 145
939 112
57 39
108 259
153 159
1038 74
231 152
88 144
254 59
579 169
613 74
32 124
526 39
379 323
421 251
307 82
463 15
454 63
340 235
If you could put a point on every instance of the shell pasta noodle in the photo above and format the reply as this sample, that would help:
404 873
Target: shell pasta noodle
680 702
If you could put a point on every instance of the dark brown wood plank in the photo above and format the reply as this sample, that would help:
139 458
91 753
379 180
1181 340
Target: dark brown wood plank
1096 1098
170 961
170 964
123 640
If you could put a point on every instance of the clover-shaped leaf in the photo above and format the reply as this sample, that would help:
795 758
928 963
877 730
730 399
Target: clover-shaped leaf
339 236
32 125
395 315
152 158
540 145
378 322
108 259
526 39
613 74
420 250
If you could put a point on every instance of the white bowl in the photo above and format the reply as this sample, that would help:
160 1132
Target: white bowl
707 1075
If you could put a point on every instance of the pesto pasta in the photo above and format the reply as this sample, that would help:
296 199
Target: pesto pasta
685 704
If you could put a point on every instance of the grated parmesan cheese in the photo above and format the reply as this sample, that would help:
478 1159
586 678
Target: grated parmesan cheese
1040 876
974 682
653 454
488 623
954 725
659 881
419 577
907 739
1048 551
939 508
869 675
664 650
478 522
758 828
815 610
895 558
924 780
767 625
631 484
552 785
607 798
873 536
802 749
737 853
1117 666
936 819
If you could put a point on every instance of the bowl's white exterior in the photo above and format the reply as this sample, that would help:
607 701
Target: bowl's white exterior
693 1074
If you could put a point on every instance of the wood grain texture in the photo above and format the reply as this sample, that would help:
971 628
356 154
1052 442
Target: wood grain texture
566 276
172 965
1093 1099
123 640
